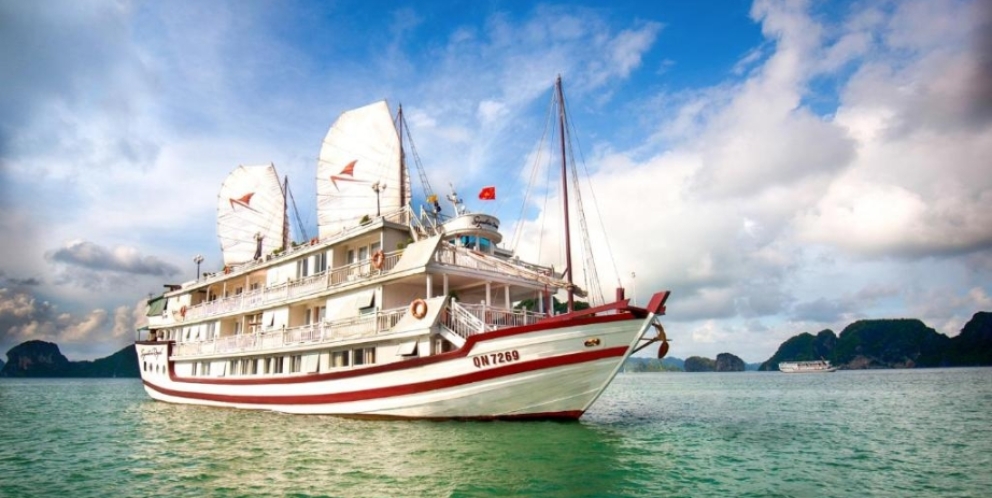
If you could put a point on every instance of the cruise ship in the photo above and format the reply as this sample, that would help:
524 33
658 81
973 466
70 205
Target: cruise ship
386 312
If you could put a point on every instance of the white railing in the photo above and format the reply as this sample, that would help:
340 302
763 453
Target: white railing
471 319
295 289
401 216
315 284
461 321
498 318
324 332
454 256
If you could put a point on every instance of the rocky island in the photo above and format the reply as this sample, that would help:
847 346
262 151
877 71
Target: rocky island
897 343
43 359
725 362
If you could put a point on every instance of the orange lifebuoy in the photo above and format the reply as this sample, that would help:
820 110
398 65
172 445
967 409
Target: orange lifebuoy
378 259
418 308
227 269
182 311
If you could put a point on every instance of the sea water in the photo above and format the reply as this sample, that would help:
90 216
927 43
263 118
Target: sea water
849 433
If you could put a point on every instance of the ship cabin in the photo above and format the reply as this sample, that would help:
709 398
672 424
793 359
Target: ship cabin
389 289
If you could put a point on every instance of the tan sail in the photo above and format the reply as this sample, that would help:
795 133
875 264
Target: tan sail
250 206
361 150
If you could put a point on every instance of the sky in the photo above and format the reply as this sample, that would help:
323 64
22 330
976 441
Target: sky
780 166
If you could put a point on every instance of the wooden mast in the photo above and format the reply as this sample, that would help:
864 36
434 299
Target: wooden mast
564 195
285 213
403 172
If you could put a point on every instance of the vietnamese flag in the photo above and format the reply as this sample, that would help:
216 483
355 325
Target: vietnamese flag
487 193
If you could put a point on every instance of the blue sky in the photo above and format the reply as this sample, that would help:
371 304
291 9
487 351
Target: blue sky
781 166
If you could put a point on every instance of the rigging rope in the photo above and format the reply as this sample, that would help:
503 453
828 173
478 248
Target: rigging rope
299 222
424 183
595 204
518 232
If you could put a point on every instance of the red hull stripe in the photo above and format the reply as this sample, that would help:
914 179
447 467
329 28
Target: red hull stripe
406 389
566 415
405 364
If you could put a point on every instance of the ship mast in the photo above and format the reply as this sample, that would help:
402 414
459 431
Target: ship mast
403 171
564 194
285 213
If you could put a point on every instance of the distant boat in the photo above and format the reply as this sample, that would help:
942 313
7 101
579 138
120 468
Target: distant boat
806 366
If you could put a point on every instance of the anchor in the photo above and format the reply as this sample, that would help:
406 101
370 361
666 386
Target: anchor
659 337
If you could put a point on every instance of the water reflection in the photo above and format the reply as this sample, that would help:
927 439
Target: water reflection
843 434
243 452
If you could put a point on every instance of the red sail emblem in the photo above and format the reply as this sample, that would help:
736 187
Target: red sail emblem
244 200
346 175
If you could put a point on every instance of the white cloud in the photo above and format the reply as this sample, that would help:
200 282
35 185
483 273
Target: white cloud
120 259
839 154
91 334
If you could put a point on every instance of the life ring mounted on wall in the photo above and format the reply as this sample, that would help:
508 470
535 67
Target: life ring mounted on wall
418 308
182 311
378 259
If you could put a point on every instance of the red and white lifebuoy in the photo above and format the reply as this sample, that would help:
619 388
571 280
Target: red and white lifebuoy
378 259
418 308
182 311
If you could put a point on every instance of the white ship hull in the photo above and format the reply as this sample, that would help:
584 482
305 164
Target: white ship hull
538 371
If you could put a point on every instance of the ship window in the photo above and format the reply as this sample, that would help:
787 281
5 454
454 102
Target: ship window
340 358
407 349
320 262
363 253
311 363
351 256
364 356
296 364
277 365
254 323
364 310
302 267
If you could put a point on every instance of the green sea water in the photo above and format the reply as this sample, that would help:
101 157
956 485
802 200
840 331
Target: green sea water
860 433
